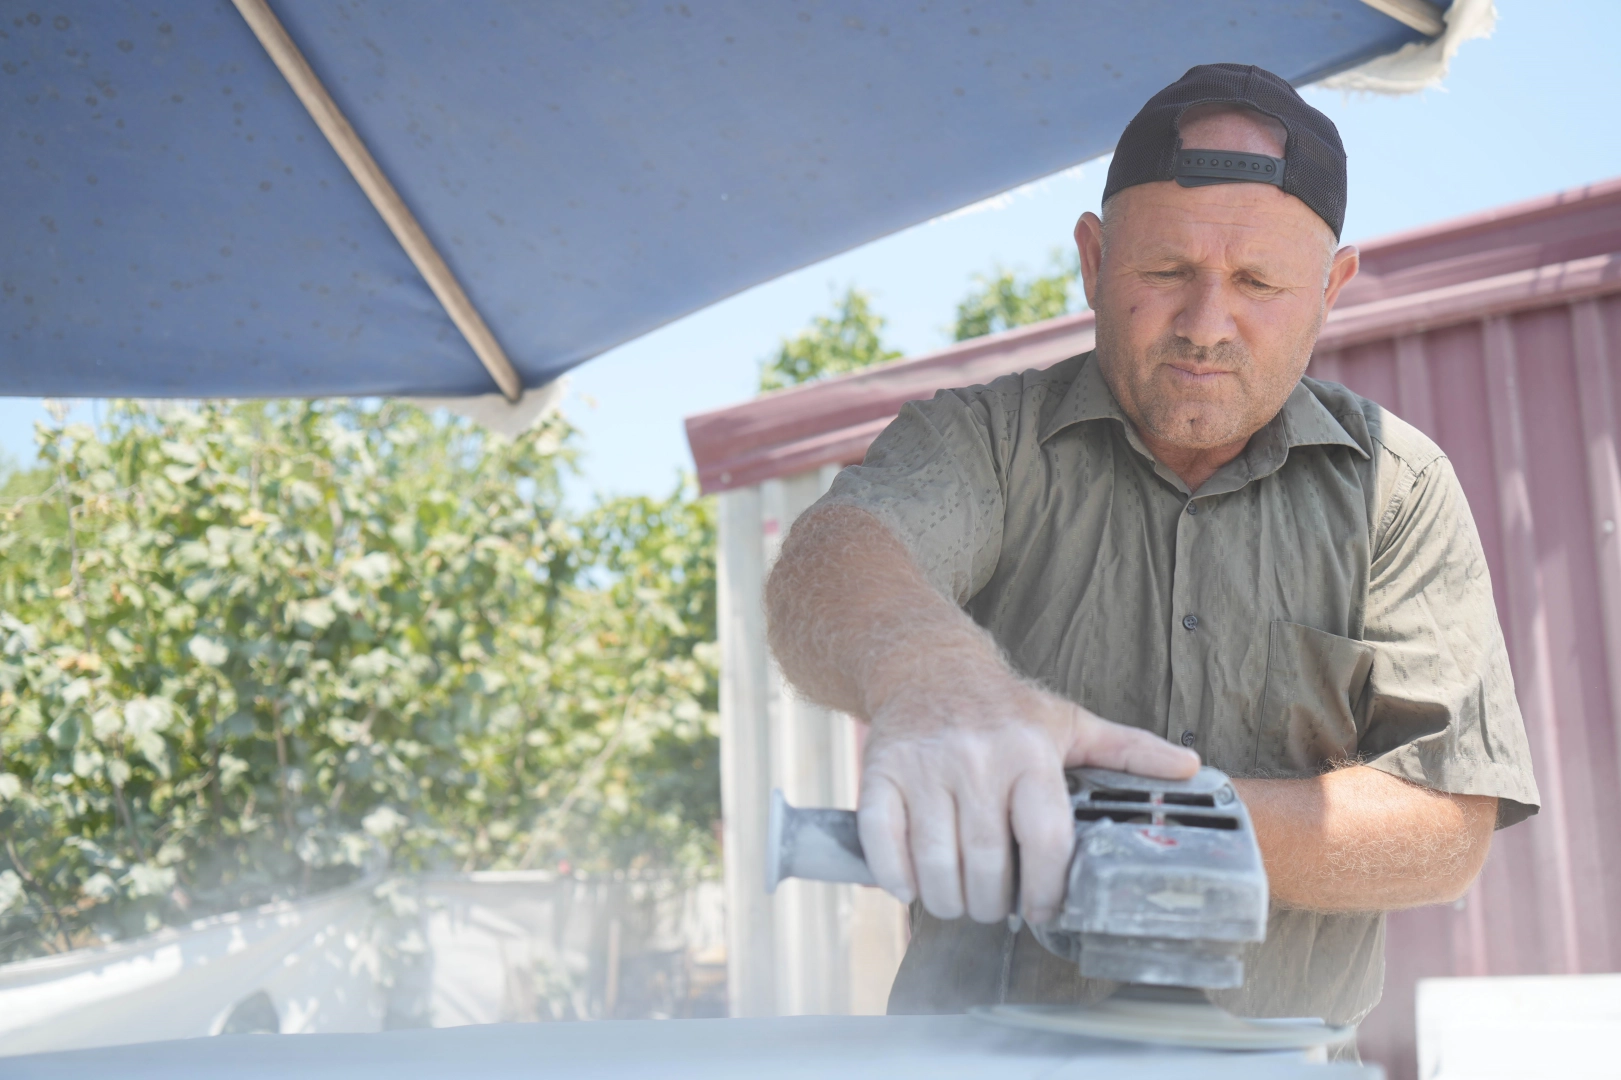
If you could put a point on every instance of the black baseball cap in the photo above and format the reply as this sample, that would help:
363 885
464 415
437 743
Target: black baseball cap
1312 168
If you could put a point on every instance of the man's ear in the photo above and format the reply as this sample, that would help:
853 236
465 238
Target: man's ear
1344 267
1089 245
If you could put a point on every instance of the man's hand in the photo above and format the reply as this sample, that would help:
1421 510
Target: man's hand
964 762
955 781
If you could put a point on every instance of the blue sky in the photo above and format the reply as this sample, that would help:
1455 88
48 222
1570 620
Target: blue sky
1524 113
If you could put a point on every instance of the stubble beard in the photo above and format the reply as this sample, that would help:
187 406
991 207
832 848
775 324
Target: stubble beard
1188 418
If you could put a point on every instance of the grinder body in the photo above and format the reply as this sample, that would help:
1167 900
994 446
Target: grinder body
1166 886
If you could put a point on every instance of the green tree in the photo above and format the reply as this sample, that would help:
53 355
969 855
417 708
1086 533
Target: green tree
848 340
1003 300
247 651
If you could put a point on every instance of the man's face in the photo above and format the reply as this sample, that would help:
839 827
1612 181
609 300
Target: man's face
1208 299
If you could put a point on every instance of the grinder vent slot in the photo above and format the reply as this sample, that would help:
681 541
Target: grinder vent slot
1185 798
1110 795
1202 821
1119 815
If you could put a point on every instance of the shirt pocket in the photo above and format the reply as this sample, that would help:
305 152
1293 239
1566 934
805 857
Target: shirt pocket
1314 704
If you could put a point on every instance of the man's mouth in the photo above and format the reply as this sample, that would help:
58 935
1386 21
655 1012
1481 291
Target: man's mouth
1194 376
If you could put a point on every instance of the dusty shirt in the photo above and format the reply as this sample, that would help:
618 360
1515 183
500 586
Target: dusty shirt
1323 597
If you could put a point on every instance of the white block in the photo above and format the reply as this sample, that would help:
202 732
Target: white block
1506 1028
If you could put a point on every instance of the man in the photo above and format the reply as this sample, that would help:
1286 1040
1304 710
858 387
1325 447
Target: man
1171 547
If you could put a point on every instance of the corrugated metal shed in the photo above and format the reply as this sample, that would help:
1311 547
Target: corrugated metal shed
1500 336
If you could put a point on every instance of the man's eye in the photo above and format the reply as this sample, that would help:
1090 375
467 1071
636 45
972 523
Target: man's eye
1258 285
1164 275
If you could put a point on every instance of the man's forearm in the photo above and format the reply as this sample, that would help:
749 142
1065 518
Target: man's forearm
1357 839
965 759
852 621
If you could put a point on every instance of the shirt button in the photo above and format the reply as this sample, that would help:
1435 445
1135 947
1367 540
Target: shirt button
1190 622
1193 507
1187 738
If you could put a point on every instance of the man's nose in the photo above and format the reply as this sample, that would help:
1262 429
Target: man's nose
1206 319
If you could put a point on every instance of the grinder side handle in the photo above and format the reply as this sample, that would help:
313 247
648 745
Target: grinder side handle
814 844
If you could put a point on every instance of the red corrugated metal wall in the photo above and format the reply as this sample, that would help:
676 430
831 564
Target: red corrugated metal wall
1526 405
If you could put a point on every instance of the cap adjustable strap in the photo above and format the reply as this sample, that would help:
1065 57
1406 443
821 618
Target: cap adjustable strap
1197 168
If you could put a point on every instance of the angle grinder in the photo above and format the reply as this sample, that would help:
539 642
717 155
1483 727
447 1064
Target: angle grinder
1166 889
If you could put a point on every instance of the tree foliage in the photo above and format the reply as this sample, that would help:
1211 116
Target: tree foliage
850 339
248 650
1003 300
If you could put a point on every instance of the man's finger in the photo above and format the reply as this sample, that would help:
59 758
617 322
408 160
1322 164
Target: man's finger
1046 835
987 858
932 827
1107 745
881 823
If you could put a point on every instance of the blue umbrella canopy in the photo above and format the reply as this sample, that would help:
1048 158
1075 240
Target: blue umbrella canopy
177 225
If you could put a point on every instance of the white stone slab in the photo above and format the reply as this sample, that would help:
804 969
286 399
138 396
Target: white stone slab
789 1048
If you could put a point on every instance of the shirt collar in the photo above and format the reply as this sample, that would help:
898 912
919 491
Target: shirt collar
1303 421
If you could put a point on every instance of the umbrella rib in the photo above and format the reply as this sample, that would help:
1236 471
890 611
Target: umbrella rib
1422 15
375 183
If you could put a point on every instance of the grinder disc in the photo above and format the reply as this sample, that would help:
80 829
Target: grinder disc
1167 1022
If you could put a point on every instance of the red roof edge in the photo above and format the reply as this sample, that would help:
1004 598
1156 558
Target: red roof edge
1600 192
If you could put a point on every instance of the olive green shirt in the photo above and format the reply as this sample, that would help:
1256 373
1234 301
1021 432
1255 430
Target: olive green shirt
1322 598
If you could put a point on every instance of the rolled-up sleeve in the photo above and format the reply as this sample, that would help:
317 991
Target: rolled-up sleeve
1441 704
933 479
